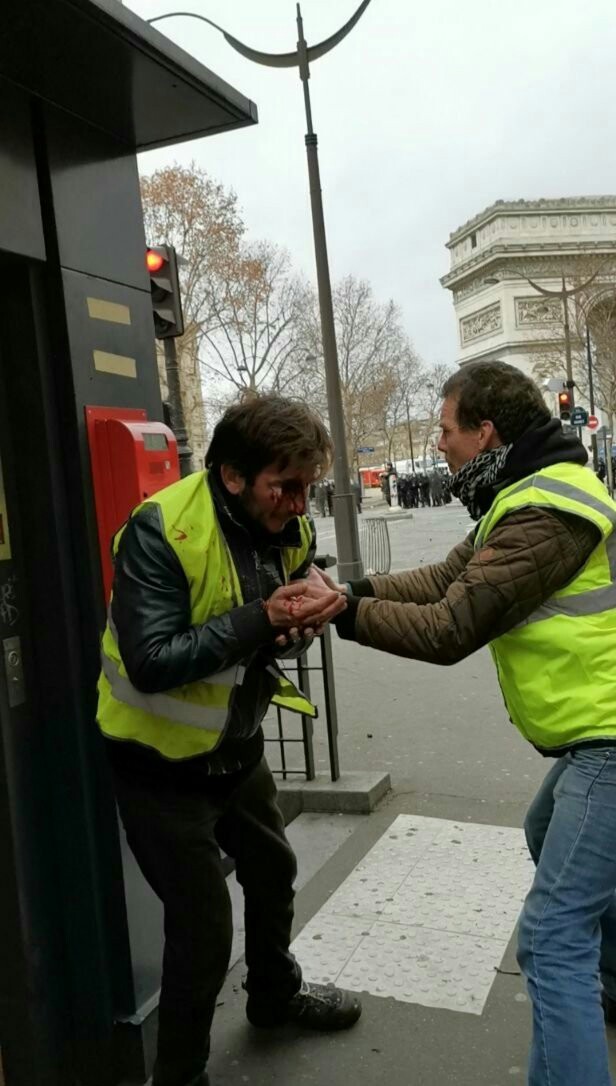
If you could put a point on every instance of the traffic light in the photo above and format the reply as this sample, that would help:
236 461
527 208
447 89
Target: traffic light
564 404
162 264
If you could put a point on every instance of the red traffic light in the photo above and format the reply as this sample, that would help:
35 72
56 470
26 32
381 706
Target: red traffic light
565 404
154 261
162 264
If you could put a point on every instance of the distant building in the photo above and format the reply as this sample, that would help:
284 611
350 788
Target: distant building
504 317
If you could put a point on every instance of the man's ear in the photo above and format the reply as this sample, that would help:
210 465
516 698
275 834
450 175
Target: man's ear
489 436
233 480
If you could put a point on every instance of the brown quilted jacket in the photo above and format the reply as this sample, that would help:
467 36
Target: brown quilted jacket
444 612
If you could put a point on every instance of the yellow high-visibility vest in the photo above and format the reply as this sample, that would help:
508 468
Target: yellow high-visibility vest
190 719
557 668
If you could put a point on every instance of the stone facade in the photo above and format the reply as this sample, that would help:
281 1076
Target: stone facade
511 242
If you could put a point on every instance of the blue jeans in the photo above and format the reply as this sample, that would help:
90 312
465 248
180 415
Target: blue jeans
568 924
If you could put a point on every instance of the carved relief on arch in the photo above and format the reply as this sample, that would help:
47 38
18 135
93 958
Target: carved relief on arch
485 322
538 312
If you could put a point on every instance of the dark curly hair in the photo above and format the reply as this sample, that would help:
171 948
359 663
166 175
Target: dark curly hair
269 429
497 392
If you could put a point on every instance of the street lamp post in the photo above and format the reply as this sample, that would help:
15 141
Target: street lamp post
607 450
345 515
591 398
564 294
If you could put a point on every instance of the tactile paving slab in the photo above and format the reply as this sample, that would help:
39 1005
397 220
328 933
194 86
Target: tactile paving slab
425 917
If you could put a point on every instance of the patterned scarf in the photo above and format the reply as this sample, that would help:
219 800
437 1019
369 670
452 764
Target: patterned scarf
477 477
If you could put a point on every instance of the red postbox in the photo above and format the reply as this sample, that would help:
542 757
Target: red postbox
131 459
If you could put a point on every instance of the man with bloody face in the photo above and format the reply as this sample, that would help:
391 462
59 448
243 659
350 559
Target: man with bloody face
212 587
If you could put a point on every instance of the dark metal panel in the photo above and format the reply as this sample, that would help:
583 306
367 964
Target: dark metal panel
96 211
33 1006
100 62
47 774
111 339
96 202
115 339
21 226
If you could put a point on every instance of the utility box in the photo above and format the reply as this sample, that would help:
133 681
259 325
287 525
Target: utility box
131 460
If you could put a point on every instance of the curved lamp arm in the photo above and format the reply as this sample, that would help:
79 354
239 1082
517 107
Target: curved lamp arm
275 60
566 293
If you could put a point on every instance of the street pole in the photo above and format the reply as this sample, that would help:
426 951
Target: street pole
568 356
176 410
607 452
408 423
345 516
591 399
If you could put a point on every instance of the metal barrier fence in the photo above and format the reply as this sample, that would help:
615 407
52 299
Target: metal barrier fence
302 676
374 545
376 558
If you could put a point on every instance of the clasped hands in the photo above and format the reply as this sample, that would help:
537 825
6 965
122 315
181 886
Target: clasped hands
303 608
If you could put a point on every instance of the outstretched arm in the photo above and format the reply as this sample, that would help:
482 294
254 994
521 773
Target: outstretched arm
529 556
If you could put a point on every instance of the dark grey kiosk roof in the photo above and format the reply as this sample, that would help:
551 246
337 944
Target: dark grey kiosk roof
102 63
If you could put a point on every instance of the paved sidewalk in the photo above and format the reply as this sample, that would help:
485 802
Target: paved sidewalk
414 905
405 1041
412 925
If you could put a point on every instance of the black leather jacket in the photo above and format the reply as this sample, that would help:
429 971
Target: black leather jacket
162 650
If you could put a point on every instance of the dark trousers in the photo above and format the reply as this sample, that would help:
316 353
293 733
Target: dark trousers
175 836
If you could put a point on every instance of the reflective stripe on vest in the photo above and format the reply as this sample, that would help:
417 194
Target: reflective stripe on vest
593 602
174 710
551 486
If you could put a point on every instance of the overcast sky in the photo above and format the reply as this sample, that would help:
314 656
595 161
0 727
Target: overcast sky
426 114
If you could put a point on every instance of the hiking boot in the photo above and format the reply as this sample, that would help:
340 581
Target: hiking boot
315 1006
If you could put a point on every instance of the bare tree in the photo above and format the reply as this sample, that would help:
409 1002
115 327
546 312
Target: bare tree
429 403
184 207
407 377
252 331
251 323
239 299
304 376
371 344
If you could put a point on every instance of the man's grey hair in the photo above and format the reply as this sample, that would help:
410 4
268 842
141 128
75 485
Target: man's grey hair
497 392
